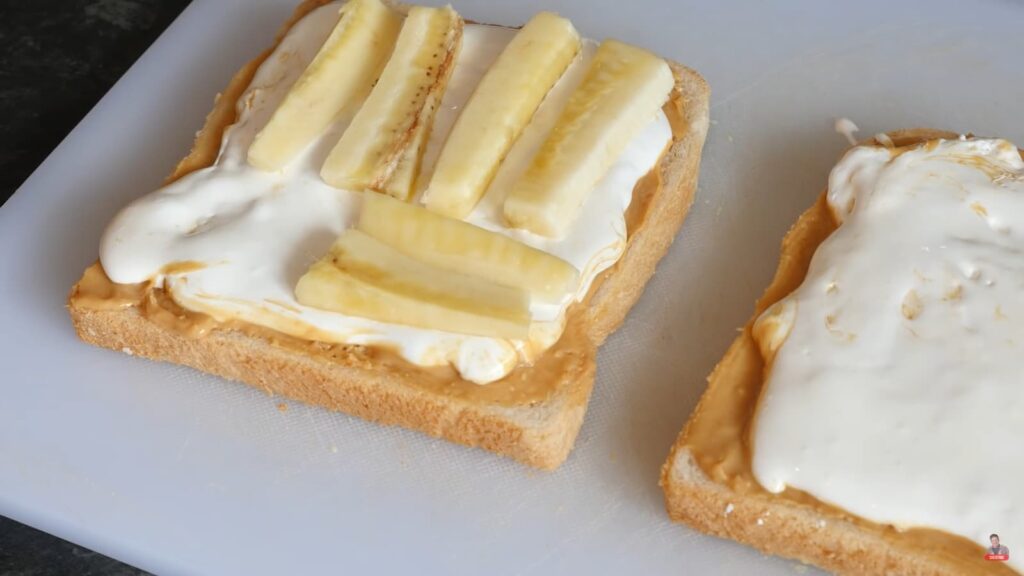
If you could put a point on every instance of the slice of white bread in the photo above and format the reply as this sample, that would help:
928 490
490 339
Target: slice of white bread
357 380
795 525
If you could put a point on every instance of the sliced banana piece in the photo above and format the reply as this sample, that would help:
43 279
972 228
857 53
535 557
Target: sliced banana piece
461 247
622 90
498 111
333 85
404 100
364 277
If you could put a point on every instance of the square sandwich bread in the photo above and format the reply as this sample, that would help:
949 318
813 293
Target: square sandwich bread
413 219
857 422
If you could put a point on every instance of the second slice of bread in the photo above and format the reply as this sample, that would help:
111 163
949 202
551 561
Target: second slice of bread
812 533
350 380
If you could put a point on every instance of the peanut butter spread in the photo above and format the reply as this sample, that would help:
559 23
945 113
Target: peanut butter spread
718 434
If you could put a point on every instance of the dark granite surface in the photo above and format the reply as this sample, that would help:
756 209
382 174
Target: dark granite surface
59 57
26 551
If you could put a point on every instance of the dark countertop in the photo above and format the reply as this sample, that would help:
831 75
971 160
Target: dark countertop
60 57
26 551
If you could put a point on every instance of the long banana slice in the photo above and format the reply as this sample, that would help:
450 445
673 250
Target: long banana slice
466 249
499 109
364 277
623 89
405 98
333 85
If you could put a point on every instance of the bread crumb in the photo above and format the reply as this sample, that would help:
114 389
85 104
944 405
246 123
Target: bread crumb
128 351
334 449
729 508
979 209
282 407
760 521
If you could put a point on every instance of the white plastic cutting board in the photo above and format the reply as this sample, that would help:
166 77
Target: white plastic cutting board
178 472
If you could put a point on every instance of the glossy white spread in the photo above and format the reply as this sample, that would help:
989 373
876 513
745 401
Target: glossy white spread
258 232
898 393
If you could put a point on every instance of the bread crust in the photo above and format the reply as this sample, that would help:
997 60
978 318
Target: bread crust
540 434
816 534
